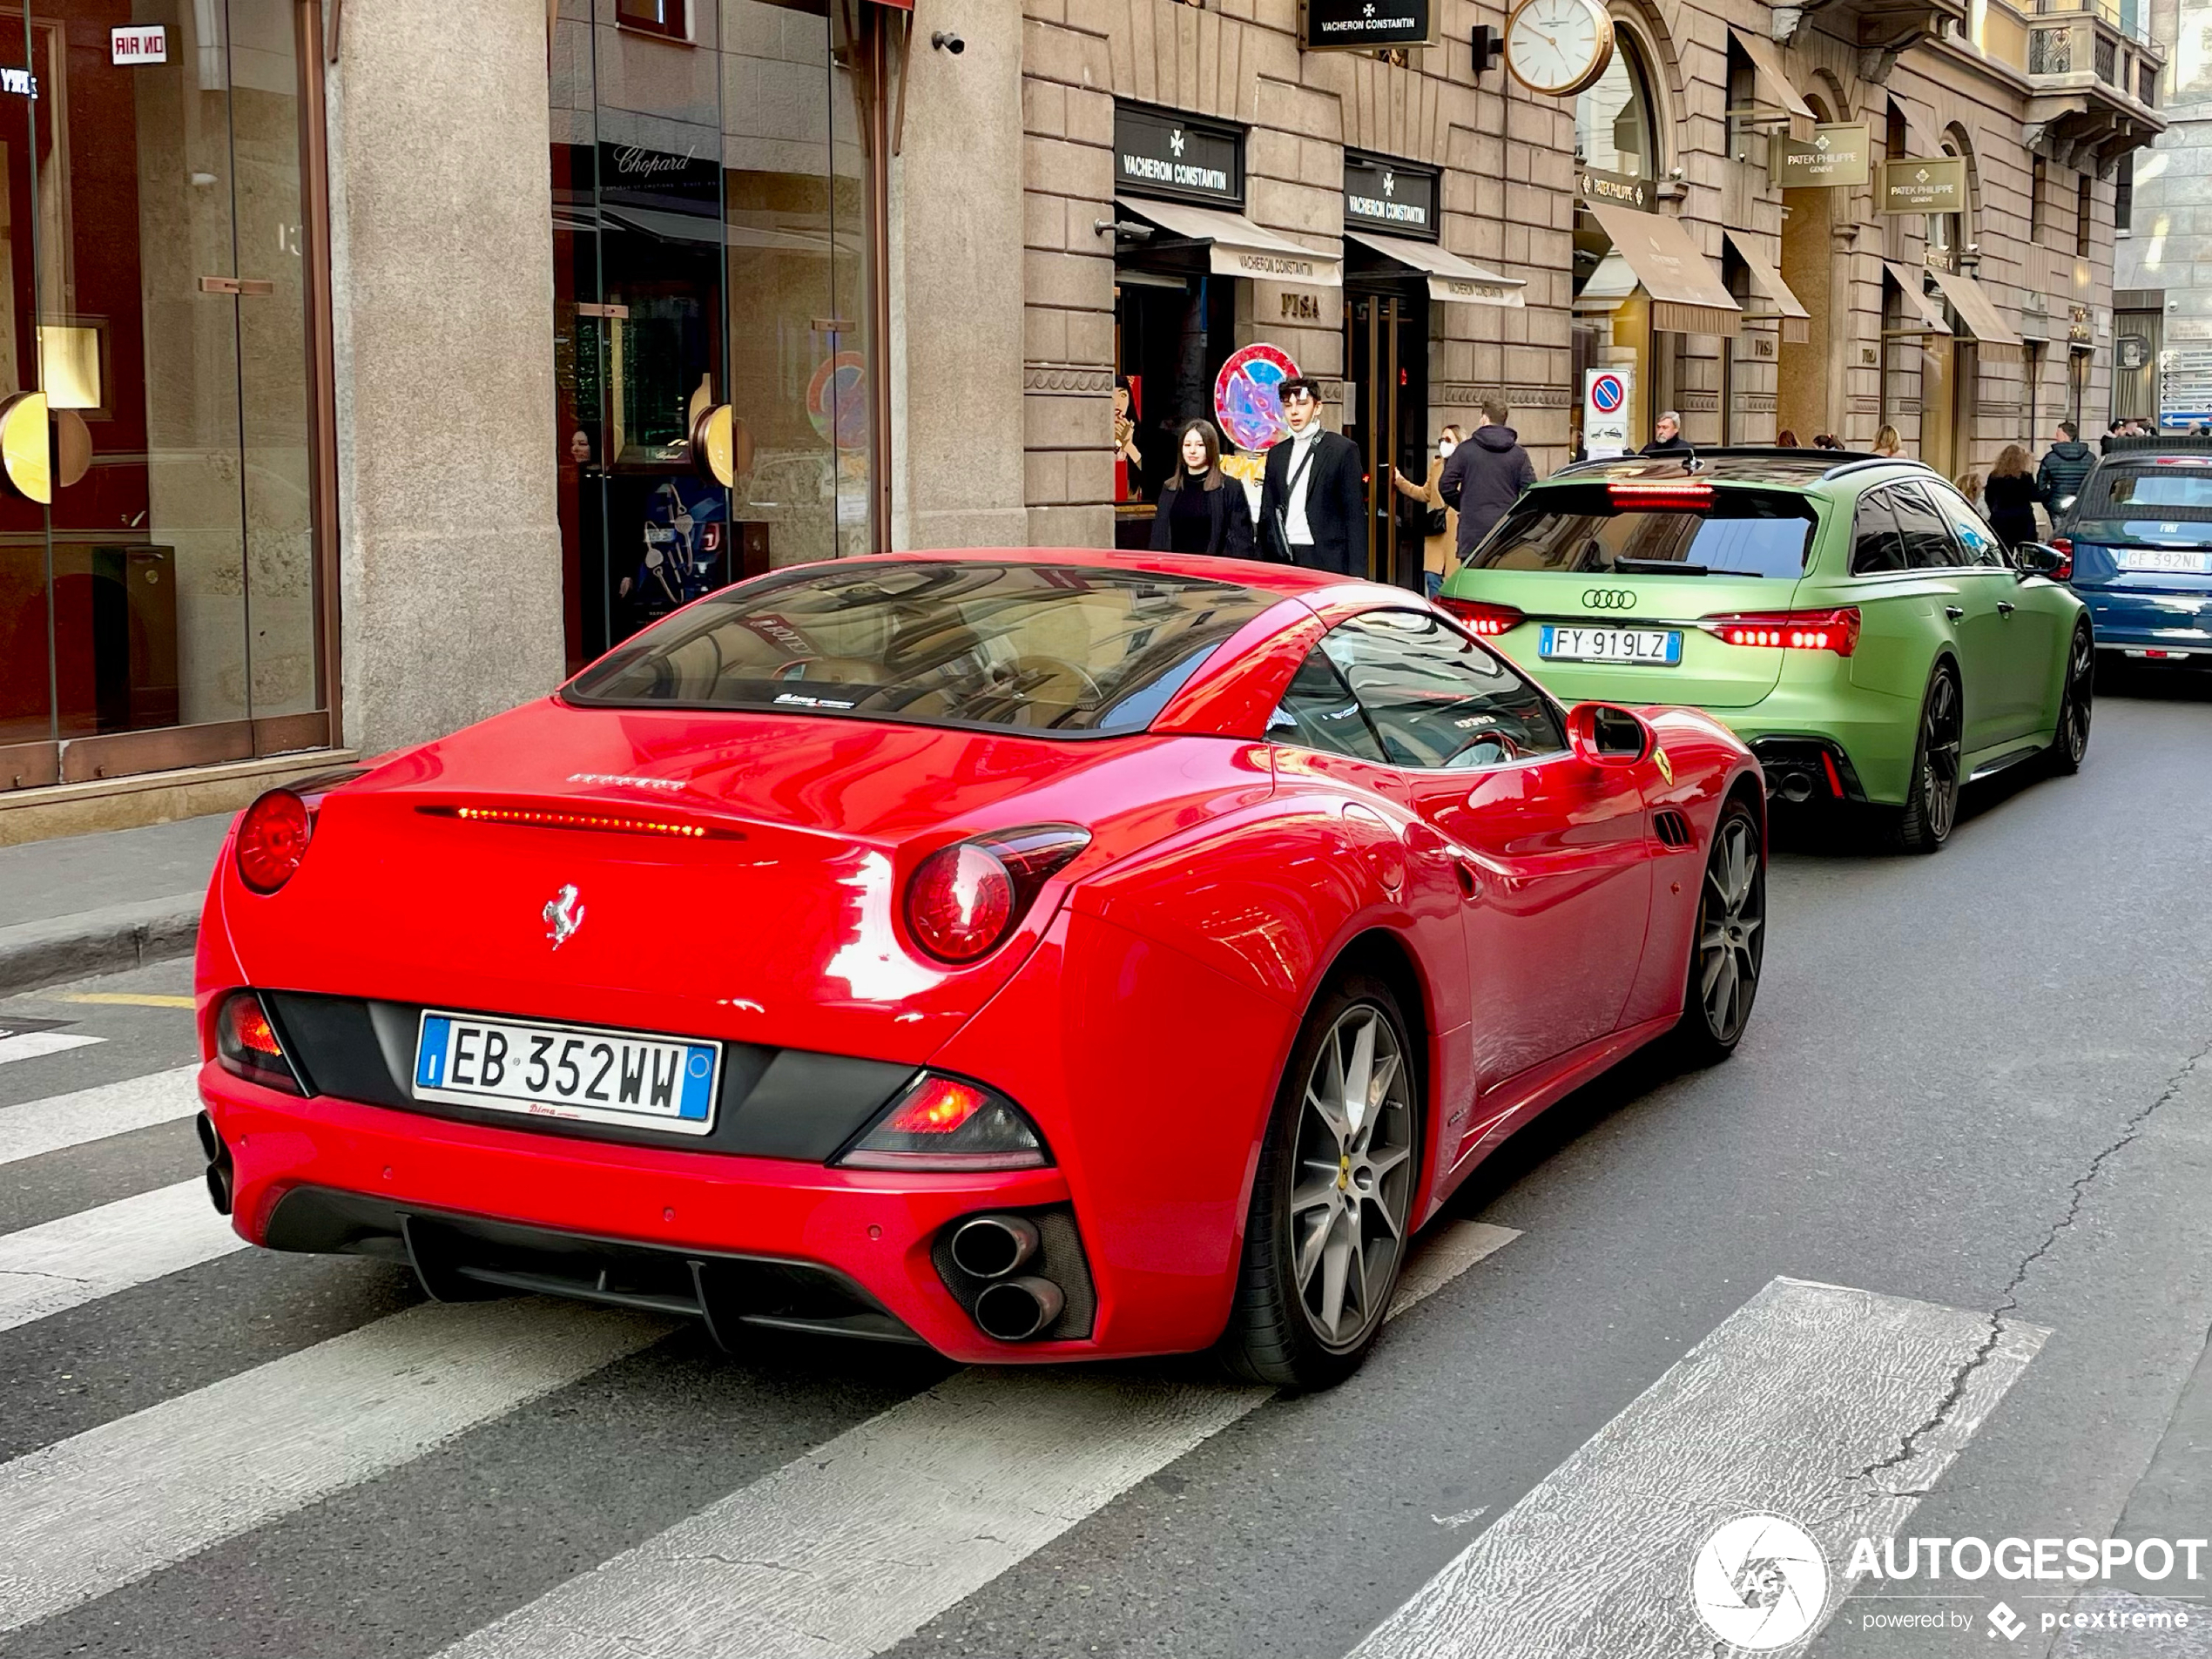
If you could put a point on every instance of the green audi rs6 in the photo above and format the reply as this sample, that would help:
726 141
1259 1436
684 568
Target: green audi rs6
1852 617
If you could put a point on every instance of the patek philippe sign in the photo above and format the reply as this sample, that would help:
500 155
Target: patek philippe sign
1335 25
1390 197
1622 189
1161 152
1838 155
1929 185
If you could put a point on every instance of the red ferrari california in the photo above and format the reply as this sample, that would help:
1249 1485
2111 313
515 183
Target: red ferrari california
1036 955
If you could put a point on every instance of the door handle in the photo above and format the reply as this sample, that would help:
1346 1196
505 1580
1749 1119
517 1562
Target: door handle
2005 607
1955 612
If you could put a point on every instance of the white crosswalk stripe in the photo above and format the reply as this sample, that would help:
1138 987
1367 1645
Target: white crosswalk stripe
30 1045
60 1265
1791 1408
63 1121
862 1541
108 1507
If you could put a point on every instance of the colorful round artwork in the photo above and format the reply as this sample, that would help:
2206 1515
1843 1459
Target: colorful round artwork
834 403
1245 403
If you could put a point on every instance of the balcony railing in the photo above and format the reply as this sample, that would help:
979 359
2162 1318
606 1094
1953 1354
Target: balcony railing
2129 19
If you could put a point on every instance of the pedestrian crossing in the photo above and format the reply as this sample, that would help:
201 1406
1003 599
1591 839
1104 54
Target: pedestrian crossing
847 1545
33 1045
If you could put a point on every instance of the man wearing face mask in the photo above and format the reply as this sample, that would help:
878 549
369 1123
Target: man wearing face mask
1439 524
1312 506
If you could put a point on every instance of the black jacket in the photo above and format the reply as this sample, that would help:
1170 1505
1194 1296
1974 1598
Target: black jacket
1231 534
1665 446
1336 506
1485 476
2011 508
2065 465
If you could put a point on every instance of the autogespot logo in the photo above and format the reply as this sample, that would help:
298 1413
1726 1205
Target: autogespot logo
1759 1582
1608 599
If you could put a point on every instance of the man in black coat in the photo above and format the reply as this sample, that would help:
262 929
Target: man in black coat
1666 436
2065 463
1313 503
1485 476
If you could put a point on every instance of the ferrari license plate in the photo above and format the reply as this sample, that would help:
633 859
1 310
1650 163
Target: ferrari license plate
568 1071
1650 647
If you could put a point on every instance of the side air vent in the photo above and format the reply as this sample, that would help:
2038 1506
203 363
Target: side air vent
1671 827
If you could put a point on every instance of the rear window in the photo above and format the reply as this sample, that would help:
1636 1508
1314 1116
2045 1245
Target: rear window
1066 649
2181 488
1580 528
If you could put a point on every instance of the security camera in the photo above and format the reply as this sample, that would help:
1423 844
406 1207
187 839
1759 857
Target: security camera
945 41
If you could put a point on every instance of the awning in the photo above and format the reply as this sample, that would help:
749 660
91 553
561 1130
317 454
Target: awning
1773 74
1975 308
1797 326
1450 277
1916 299
1687 294
1239 246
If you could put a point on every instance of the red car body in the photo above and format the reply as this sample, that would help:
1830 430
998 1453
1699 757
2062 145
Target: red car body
1142 1012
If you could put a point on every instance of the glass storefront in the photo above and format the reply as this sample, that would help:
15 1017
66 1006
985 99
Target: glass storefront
711 225
160 589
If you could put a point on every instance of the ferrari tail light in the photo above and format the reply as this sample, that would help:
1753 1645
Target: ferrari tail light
1684 496
949 1123
272 839
963 900
1836 630
1484 619
248 1046
2063 546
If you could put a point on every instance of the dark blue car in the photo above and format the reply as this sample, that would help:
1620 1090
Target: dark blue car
2141 537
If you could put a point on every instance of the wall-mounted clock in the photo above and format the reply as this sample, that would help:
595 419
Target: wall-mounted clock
1558 47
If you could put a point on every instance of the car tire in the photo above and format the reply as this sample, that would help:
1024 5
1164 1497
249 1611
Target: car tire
2070 739
1931 799
1318 1240
1728 946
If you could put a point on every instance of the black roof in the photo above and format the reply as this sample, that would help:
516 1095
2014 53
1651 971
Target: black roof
1735 463
2174 444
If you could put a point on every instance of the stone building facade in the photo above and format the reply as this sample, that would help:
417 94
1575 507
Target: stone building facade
2163 259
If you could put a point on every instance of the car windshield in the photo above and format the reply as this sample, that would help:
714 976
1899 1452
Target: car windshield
1065 649
1582 528
2181 487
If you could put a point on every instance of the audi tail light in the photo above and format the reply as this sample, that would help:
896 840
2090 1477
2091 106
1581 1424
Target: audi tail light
248 1047
1683 495
1836 630
950 1123
272 839
962 901
1484 619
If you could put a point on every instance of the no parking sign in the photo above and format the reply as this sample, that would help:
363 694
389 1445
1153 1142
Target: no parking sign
1605 411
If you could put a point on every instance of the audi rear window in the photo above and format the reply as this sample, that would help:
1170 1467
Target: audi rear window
1583 529
1054 649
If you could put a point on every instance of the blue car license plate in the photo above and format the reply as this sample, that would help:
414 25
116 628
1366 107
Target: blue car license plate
581 1073
1641 647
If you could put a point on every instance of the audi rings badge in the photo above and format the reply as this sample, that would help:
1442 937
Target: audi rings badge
1608 599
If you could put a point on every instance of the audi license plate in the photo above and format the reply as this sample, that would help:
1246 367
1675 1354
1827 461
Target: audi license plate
568 1071
1648 647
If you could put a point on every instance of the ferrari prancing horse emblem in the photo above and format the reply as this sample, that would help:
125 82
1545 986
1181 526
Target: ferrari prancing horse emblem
563 915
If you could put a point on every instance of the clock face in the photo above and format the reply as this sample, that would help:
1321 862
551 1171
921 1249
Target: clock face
1558 46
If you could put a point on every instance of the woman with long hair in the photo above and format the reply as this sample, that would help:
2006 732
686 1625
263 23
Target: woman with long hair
1887 442
1785 439
2010 495
1201 510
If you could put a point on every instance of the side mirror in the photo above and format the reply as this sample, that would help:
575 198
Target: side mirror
1606 736
2041 558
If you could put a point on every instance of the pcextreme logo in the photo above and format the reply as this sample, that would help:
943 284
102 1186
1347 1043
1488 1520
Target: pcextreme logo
1759 1582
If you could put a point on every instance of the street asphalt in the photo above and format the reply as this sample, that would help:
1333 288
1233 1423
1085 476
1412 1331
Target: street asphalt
1980 1081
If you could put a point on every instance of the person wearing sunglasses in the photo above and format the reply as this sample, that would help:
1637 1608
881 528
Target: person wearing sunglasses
1312 506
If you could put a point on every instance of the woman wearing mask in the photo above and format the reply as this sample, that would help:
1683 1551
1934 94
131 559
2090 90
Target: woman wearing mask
1201 511
1439 524
2011 496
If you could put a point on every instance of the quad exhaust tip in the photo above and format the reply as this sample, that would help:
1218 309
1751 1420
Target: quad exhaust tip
993 1247
1015 1310
220 1191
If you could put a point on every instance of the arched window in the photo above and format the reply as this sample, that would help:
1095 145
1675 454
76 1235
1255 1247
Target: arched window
1617 127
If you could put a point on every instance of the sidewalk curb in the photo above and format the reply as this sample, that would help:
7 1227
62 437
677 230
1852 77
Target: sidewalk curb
98 941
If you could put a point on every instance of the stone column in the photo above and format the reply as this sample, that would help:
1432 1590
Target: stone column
442 279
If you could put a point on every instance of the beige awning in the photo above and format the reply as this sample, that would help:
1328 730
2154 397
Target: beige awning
1450 277
1773 73
1975 308
1797 326
1687 294
1916 299
1240 247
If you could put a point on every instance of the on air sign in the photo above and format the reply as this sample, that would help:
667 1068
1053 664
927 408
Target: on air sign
139 43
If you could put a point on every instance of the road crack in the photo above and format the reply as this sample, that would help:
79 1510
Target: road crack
2008 1298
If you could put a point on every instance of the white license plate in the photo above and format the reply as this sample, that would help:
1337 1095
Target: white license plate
2173 561
1651 647
568 1071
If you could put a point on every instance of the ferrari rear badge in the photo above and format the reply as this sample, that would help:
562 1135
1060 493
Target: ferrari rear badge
563 915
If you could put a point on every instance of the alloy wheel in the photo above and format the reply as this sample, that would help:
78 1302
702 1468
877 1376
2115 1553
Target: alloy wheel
1354 1177
1939 747
2081 688
1731 934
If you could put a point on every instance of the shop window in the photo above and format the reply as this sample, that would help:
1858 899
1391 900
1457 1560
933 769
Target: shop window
655 16
2085 202
2039 186
1615 130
